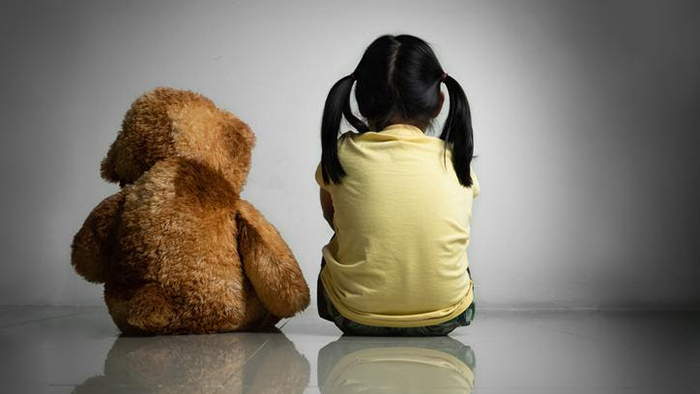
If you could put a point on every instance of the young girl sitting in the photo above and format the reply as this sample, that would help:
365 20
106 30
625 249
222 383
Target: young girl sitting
399 201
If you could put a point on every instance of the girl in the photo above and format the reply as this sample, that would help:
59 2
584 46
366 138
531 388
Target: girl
399 201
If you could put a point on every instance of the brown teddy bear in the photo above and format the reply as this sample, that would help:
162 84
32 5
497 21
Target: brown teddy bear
177 249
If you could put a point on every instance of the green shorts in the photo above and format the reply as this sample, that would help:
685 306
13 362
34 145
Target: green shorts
327 311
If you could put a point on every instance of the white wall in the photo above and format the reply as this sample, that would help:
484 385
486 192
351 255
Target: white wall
586 124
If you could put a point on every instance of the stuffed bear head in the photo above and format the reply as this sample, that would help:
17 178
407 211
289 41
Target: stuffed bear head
165 123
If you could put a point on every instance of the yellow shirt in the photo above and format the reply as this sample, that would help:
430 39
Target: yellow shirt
399 257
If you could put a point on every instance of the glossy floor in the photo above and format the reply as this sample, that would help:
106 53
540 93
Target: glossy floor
78 349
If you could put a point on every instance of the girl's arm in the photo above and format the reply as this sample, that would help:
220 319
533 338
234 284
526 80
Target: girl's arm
327 206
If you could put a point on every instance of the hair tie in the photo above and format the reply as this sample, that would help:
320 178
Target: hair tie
443 77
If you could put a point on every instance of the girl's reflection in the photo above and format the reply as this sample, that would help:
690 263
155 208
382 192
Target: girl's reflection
396 365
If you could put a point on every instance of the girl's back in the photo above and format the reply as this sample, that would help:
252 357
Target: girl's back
402 229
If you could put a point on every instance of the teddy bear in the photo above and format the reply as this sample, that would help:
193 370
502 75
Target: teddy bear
178 250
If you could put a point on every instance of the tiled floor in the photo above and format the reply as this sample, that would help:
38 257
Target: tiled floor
78 349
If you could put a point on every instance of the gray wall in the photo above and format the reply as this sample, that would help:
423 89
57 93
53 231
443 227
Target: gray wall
586 118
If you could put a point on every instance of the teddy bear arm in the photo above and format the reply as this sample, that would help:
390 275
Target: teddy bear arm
270 264
93 242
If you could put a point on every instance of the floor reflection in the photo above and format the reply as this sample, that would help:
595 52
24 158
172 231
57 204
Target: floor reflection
229 363
57 350
396 365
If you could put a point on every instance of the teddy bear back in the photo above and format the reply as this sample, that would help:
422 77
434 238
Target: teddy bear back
166 123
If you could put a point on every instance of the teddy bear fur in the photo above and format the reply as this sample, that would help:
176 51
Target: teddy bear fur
177 249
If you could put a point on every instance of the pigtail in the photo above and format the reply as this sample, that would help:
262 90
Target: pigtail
458 131
337 105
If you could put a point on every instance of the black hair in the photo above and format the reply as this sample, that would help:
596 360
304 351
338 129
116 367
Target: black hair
398 79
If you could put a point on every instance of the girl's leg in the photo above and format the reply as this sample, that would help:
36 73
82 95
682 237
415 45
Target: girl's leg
352 328
463 319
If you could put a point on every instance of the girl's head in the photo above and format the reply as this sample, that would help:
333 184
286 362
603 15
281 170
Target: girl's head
398 81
